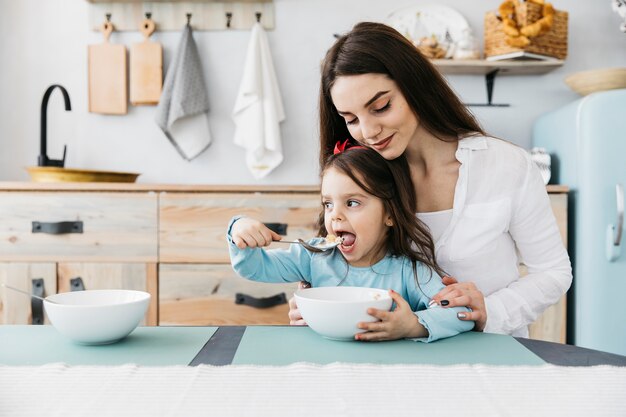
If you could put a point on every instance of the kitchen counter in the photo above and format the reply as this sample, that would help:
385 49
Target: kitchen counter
103 186
168 240
134 187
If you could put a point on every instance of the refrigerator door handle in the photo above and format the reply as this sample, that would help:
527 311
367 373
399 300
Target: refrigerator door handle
619 191
614 232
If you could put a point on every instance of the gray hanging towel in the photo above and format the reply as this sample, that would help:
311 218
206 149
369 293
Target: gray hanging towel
183 109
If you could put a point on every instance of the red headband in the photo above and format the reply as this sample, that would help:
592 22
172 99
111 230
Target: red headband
344 146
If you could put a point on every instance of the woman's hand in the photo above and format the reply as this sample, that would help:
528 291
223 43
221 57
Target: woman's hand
396 324
295 318
464 294
250 233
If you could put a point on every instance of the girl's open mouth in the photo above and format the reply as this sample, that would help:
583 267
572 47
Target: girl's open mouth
348 240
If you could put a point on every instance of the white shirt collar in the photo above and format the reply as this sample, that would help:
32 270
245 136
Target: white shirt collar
474 143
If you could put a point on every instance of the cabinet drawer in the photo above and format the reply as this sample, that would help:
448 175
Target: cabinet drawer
104 276
205 295
15 308
115 226
192 227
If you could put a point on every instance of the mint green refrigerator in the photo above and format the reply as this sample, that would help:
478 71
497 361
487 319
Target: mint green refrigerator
587 142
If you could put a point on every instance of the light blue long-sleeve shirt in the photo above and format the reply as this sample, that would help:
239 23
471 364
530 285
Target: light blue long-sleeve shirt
330 269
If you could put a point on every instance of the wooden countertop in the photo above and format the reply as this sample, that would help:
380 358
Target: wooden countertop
134 187
179 188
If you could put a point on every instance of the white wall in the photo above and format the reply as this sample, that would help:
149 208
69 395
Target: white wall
45 41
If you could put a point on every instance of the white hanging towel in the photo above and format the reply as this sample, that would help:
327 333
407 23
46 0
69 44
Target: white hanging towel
259 108
183 111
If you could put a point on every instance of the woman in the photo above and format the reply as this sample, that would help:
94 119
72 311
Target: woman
482 198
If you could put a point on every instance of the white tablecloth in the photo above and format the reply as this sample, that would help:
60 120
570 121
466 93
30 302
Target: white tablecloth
312 390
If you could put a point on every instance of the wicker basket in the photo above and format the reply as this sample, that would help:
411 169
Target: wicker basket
552 43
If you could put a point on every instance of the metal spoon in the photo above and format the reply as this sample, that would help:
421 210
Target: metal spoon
29 294
322 247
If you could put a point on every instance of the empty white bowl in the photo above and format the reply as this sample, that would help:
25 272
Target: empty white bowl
334 312
97 317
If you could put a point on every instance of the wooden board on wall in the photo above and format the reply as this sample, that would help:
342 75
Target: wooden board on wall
146 68
107 76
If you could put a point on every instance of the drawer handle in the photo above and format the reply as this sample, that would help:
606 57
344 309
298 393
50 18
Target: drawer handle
76 284
58 228
280 228
266 302
36 305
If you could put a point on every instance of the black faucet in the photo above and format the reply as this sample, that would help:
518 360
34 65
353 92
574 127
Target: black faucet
43 160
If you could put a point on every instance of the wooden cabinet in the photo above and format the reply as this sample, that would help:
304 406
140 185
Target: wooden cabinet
205 294
15 308
168 240
197 283
69 226
108 239
551 325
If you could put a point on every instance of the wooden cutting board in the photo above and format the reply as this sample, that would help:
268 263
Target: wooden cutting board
107 76
146 68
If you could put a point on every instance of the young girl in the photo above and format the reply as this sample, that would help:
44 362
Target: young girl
368 202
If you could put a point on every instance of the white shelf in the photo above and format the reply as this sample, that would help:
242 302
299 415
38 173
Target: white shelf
489 69
483 67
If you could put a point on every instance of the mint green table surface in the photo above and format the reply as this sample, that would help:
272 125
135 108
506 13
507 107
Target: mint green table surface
276 345
156 346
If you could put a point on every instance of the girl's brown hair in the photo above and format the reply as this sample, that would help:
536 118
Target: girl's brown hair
374 48
390 181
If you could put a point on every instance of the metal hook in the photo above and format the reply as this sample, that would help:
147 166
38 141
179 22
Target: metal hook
108 17
258 17
188 19
229 16
148 15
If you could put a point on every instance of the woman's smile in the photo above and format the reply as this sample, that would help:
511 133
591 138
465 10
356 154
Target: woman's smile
379 146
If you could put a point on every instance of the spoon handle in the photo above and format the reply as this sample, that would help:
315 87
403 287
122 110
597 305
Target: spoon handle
24 292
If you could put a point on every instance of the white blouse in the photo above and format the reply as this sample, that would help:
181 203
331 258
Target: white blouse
437 222
501 217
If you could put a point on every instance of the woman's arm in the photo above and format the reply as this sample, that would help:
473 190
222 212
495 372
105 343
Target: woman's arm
538 241
533 229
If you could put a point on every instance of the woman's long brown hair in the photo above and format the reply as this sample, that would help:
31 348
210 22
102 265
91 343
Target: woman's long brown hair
390 181
375 48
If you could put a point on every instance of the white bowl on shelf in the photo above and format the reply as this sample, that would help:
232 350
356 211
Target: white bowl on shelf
334 312
96 317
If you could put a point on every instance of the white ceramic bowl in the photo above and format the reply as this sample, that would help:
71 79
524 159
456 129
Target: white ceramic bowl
334 312
97 317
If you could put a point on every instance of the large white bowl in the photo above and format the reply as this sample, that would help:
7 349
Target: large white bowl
96 317
334 312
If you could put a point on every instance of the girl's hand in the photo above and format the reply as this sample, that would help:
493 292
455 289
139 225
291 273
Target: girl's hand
464 294
250 233
396 324
295 318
